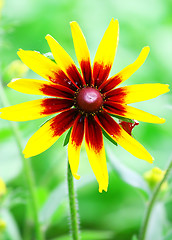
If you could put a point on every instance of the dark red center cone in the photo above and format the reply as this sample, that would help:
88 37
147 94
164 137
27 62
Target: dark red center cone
89 100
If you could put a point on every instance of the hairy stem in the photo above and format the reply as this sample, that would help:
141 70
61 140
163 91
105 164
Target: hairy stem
72 205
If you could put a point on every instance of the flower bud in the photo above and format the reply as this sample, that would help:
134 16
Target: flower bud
15 69
2 188
154 176
1 6
2 225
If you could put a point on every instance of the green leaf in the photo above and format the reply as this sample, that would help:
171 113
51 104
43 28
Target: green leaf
56 197
53 202
9 158
157 222
66 141
127 175
168 236
108 137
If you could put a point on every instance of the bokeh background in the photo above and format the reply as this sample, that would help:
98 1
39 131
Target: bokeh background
118 213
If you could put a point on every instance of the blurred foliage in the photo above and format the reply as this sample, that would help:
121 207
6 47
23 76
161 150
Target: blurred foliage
118 213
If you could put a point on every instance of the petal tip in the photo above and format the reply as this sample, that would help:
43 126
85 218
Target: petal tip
10 84
150 159
167 87
73 22
101 189
48 36
162 120
20 53
146 49
76 176
114 21
26 155
164 88
20 50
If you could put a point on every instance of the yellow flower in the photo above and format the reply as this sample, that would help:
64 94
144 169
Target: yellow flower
2 225
85 101
16 69
1 6
2 188
154 176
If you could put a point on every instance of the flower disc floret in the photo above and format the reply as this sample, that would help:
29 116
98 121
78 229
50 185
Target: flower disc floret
89 100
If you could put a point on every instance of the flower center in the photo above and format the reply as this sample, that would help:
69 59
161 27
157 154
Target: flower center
89 100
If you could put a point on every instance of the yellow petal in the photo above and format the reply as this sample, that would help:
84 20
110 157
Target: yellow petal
132 146
48 134
106 53
39 87
39 63
137 93
132 68
74 145
126 72
82 52
131 112
120 136
64 61
35 109
96 152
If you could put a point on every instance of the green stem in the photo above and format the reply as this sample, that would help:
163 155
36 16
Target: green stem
27 169
72 205
151 204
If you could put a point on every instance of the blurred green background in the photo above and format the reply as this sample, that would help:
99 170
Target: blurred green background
118 213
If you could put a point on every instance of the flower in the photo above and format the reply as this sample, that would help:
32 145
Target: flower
84 101
2 225
16 68
154 176
1 6
3 189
